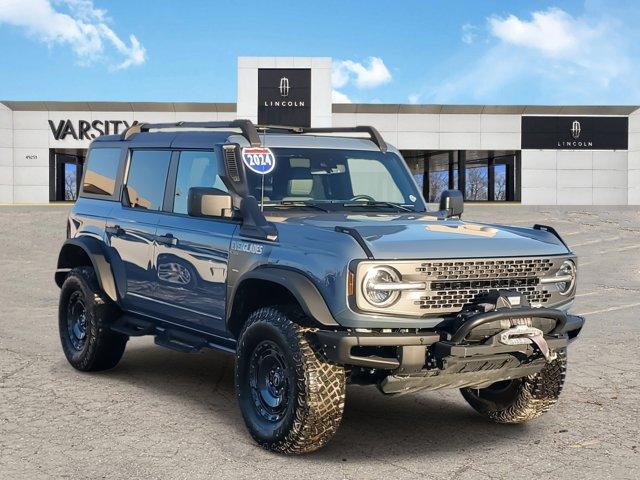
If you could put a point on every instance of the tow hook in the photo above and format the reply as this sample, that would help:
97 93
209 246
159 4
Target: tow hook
522 334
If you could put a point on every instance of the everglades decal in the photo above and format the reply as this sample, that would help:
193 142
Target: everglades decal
247 247
259 160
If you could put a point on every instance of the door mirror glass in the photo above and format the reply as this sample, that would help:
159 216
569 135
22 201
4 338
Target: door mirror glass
452 203
209 202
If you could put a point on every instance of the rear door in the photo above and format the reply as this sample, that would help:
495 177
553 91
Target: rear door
132 227
191 254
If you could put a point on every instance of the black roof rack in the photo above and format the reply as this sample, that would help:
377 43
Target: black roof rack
247 128
373 133
250 131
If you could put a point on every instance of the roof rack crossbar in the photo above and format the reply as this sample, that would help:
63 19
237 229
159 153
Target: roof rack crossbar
247 128
373 133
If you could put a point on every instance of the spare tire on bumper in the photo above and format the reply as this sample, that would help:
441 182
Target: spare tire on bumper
521 399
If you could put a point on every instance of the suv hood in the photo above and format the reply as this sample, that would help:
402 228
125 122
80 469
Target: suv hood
415 236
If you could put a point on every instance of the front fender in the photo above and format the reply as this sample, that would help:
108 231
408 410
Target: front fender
302 288
85 250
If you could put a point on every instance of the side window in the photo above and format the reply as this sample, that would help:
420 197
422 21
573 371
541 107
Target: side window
195 169
147 178
101 171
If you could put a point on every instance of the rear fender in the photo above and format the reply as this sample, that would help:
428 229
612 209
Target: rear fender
86 251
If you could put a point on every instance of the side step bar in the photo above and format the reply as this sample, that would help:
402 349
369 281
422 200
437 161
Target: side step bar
174 337
132 326
180 341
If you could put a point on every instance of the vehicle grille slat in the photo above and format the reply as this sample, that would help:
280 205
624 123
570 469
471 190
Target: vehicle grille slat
451 285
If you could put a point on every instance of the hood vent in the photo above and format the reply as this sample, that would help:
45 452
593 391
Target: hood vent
231 162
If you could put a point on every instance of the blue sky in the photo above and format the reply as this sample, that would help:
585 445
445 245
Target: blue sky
493 52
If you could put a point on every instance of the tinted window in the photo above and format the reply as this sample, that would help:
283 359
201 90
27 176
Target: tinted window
101 171
147 178
195 169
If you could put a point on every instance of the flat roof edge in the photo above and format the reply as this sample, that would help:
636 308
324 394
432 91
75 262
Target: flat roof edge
19 105
375 108
381 108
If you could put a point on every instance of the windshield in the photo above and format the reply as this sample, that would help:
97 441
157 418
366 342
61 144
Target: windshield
337 179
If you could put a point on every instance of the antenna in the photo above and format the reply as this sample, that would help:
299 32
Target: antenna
264 132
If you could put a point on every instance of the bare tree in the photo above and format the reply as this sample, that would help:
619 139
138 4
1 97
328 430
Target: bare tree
476 183
70 186
500 191
438 183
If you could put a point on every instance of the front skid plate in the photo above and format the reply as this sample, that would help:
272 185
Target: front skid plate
478 373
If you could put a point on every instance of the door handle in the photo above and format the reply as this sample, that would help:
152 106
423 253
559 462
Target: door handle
167 239
114 230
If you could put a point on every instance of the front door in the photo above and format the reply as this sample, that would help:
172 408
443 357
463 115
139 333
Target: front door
191 257
191 254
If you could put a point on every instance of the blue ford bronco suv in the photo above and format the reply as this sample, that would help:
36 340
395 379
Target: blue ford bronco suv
309 254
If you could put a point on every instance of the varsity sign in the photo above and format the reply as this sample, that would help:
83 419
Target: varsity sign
575 133
86 130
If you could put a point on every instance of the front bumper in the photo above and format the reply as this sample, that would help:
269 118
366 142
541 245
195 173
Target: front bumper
433 359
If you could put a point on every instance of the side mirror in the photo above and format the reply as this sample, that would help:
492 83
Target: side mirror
452 203
208 202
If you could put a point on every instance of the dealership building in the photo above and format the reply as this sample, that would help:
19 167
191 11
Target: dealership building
530 154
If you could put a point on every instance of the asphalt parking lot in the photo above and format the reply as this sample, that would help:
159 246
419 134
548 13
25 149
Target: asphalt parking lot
162 414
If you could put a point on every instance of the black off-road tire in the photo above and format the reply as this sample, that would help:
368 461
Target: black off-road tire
313 397
99 348
522 399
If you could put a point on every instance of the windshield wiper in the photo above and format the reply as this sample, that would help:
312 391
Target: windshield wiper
297 203
377 203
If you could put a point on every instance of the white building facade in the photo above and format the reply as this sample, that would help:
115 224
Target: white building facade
535 155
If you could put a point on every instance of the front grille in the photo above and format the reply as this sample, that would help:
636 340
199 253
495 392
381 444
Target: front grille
470 269
454 284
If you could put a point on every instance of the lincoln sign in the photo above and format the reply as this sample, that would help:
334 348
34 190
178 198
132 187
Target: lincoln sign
284 96
86 130
575 133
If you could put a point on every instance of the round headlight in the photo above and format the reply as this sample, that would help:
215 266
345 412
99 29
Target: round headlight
373 286
568 274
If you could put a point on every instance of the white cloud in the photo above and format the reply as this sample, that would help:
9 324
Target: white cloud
414 98
339 97
372 74
547 57
553 32
76 24
469 33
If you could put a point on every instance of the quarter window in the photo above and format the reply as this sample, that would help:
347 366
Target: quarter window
101 171
195 169
147 178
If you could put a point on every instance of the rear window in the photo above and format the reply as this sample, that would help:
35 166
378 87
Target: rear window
147 178
101 171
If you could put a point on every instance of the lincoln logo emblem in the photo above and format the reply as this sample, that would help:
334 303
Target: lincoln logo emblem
284 87
575 129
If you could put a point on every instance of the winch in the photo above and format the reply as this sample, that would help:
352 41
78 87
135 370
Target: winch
508 331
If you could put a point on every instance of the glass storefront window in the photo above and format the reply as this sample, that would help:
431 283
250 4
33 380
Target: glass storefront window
477 180
438 175
415 162
481 175
70 182
65 171
500 182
